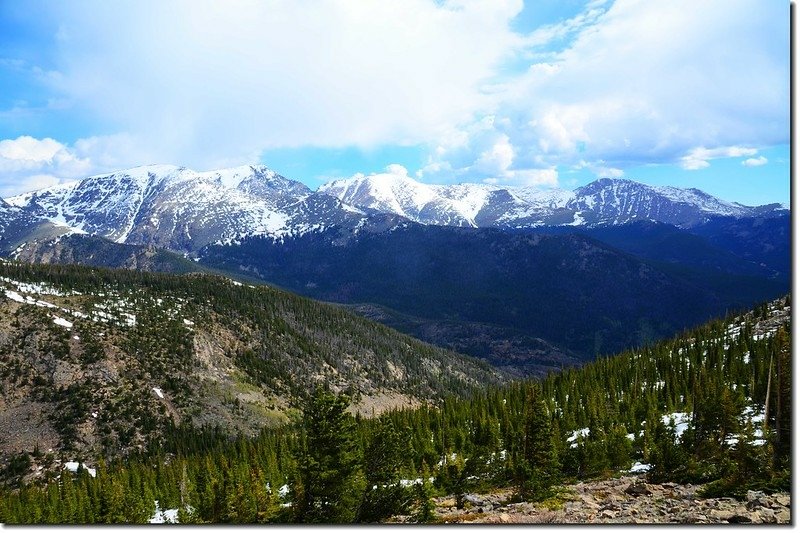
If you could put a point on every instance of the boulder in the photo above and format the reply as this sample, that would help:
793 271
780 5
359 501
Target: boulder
783 500
638 489
720 515
783 516
474 500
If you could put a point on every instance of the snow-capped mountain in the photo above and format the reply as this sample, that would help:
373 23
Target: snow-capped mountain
442 205
17 226
602 202
617 201
184 210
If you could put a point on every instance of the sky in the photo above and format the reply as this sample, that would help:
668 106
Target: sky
544 93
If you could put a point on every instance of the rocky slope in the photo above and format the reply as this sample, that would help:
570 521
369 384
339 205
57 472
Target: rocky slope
106 362
89 250
19 226
624 500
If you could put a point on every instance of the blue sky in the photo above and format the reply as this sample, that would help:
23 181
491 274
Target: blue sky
538 93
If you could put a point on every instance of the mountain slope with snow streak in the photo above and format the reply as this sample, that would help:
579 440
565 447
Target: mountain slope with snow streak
602 202
184 210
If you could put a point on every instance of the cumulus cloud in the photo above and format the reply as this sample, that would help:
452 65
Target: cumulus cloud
211 82
28 163
698 158
609 172
755 161
620 84
547 177
27 150
646 82
28 183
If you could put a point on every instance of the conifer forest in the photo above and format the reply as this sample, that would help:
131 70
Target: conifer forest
710 407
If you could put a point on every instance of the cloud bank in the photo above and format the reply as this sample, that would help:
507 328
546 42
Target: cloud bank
210 84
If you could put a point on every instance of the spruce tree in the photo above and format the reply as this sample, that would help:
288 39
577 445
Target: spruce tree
537 470
384 496
329 462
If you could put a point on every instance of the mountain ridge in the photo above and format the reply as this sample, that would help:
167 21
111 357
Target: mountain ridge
183 210
601 202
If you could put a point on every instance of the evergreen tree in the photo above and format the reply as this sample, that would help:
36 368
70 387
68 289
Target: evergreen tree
537 470
425 507
667 458
329 464
384 496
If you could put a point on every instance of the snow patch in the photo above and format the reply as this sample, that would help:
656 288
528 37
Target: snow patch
681 422
58 321
167 516
14 295
583 432
73 466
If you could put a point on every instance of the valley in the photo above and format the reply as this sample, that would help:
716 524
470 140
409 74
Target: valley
687 414
162 360
478 269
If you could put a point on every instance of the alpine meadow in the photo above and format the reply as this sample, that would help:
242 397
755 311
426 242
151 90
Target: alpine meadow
410 262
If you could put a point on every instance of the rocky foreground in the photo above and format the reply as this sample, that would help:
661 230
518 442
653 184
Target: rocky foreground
625 500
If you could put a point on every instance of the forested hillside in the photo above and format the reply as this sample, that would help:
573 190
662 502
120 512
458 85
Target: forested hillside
106 363
554 298
89 250
712 406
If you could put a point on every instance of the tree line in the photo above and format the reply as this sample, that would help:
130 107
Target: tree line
335 467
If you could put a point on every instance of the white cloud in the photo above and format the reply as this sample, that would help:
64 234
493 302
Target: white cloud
497 159
646 82
755 161
210 83
535 176
27 150
545 35
27 163
397 170
609 172
698 158
28 183
622 83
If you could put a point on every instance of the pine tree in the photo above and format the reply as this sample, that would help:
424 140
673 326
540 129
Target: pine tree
329 465
425 507
668 460
538 468
384 496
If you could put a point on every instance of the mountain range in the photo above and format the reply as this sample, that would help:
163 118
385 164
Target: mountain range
602 202
530 280
183 210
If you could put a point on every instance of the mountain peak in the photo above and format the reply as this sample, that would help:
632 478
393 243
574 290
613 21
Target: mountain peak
602 202
183 210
